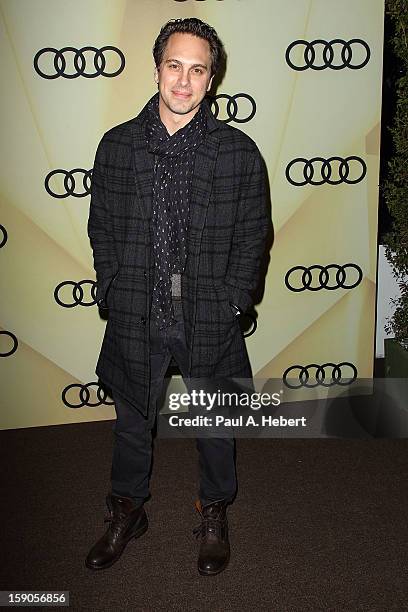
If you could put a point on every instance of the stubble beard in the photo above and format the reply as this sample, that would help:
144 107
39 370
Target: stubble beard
180 109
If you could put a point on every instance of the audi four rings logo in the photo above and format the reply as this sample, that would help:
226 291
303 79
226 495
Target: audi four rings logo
335 54
3 239
82 396
76 294
12 344
325 375
231 110
67 184
330 277
71 63
334 170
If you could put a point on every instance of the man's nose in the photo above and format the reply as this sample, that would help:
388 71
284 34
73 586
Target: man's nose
185 77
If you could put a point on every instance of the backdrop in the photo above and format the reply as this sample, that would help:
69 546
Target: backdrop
303 80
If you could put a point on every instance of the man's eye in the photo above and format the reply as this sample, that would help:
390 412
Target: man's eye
198 71
173 66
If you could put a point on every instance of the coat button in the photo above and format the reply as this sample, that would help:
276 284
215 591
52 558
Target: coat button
143 320
145 273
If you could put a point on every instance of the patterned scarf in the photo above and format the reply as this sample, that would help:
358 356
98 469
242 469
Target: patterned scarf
173 171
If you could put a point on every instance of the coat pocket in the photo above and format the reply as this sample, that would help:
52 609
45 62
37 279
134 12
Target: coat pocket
213 305
230 309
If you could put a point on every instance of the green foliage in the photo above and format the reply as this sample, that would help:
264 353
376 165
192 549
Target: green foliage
396 186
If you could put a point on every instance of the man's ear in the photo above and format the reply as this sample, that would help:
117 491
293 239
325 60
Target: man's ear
156 75
210 83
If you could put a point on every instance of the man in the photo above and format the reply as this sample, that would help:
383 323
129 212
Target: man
178 222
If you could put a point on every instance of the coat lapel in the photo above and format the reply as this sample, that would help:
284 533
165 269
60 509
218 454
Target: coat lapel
206 157
143 167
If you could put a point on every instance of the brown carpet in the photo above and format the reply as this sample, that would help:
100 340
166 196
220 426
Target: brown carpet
317 524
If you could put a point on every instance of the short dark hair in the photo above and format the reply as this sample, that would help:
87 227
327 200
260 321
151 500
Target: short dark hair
196 27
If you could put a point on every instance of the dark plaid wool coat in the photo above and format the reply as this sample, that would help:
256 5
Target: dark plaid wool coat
229 222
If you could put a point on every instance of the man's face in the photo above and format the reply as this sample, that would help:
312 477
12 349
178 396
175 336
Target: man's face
184 75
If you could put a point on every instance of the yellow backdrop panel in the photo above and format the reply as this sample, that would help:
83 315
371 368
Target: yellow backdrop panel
51 124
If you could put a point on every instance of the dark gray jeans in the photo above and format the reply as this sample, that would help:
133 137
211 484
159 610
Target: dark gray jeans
132 452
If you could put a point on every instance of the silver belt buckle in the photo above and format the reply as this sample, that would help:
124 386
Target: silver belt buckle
176 286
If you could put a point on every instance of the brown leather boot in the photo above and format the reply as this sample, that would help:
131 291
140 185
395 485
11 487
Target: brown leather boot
127 520
214 550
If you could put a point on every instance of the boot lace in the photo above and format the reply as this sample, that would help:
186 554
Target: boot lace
208 525
116 523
